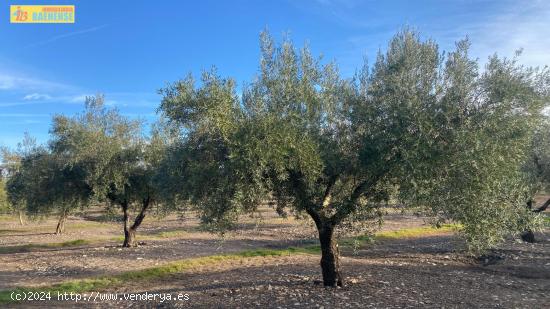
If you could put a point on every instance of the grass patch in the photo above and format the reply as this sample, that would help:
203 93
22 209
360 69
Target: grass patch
11 231
171 234
36 226
94 284
31 247
5 217
415 232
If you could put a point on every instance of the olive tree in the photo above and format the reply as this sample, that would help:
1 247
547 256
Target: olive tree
47 185
118 163
11 163
139 190
449 137
4 206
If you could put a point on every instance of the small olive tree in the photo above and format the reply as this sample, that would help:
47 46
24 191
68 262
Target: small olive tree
47 185
4 205
11 163
450 138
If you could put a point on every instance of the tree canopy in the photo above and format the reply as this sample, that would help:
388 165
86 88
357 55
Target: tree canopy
450 137
117 161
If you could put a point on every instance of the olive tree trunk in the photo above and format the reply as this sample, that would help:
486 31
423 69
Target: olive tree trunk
130 231
21 221
330 257
529 236
129 235
60 229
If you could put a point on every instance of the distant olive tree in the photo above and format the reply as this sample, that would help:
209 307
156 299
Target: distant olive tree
450 137
48 185
118 163
4 205
11 163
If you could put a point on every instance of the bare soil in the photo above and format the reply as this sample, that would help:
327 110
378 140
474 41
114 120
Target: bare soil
420 272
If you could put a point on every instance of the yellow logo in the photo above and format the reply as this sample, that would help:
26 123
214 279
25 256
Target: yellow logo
44 14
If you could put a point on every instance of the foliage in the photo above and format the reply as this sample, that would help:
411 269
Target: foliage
100 140
41 182
450 138
11 165
4 205
538 165
47 184
119 164
116 159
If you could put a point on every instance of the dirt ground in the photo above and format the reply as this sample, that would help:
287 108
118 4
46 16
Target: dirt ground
419 272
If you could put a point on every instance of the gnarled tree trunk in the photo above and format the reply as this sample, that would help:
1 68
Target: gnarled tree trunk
330 257
529 236
130 231
60 229
129 236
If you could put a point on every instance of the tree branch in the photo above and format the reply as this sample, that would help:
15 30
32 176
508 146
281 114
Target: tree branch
364 188
328 191
141 215
543 207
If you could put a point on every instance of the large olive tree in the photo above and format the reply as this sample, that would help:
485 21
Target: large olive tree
449 137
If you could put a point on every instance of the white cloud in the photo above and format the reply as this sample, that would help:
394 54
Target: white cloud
66 35
81 98
524 25
36 97
9 81
22 115
503 28
39 98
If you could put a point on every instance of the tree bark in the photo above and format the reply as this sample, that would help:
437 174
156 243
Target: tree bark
129 235
60 229
130 231
543 207
21 221
528 235
330 257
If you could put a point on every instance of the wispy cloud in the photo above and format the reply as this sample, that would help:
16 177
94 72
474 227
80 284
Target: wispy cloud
10 81
41 98
22 115
66 35
80 98
501 26
36 96
118 99
524 25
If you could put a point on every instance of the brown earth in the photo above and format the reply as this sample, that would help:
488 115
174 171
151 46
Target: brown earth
419 272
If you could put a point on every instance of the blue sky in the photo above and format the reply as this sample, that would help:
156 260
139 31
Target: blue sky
129 49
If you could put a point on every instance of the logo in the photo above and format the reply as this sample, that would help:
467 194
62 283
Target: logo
44 14
19 15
